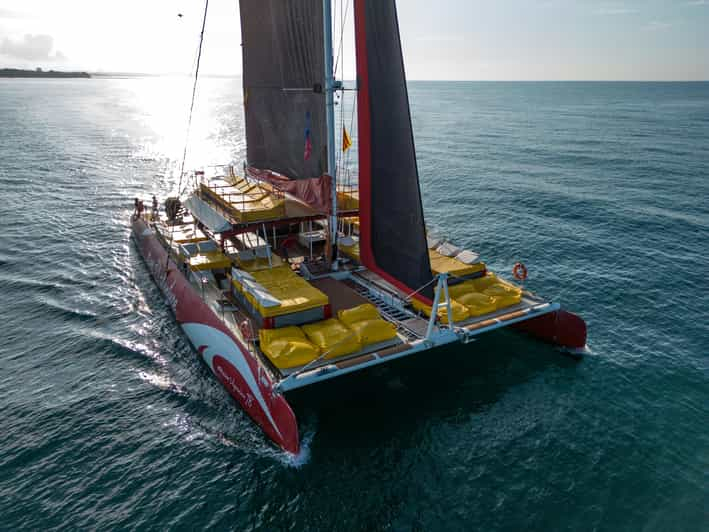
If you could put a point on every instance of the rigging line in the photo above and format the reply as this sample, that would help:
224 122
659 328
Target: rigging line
342 35
194 67
189 122
343 157
412 294
339 156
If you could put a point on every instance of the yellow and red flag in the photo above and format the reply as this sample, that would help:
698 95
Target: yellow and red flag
346 140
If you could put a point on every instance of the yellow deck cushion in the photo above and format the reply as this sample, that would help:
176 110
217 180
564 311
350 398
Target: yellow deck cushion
460 312
457 290
482 283
486 294
442 264
351 251
332 337
287 347
477 303
210 260
373 331
255 205
507 301
260 263
294 293
367 311
500 289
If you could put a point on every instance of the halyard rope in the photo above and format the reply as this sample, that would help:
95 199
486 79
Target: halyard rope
189 123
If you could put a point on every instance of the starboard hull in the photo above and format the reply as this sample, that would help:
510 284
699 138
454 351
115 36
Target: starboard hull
561 328
230 360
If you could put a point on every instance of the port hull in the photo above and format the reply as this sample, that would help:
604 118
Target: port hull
232 362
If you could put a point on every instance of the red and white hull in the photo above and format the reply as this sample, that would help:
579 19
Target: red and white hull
228 358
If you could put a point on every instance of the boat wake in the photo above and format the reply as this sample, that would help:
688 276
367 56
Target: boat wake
576 352
303 457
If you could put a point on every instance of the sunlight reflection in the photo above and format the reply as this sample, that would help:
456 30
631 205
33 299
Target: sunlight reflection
217 131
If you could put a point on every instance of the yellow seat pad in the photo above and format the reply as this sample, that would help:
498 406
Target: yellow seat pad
293 292
351 251
260 263
460 312
507 301
332 337
486 294
287 347
442 264
210 260
373 331
367 324
482 283
366 311
501 289
255 205
477 303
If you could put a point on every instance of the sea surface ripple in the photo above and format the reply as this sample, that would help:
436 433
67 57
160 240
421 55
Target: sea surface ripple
109 420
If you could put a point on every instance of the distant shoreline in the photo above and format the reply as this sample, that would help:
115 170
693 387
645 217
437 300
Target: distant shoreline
20 73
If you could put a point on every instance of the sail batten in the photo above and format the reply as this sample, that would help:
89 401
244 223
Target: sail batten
392 228
283 76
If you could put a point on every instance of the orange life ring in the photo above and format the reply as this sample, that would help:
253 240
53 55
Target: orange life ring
519 271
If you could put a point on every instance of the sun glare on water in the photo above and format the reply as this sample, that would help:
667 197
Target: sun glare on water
216 131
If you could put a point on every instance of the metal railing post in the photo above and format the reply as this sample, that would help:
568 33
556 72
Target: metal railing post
434 308
449 312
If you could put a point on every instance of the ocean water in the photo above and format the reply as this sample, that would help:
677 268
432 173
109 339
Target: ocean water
108 419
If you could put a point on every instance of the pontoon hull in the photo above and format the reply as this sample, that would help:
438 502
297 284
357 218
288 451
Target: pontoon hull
228 358
560 328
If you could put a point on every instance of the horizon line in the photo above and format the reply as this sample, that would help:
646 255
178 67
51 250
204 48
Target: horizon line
487 80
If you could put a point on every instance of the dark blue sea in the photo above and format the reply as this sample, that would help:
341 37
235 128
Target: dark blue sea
109 420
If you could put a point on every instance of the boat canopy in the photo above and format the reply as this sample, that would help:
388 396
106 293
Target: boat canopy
206 214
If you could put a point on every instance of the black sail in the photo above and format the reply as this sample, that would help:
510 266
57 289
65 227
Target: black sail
283 73
392 228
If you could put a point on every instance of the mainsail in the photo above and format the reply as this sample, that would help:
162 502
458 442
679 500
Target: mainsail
283 76
392 230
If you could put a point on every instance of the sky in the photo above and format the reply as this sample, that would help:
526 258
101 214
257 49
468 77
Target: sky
442 39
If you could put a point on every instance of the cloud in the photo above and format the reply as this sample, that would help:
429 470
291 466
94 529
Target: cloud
12 14
8 13
611 11
657 25
32 48
440 38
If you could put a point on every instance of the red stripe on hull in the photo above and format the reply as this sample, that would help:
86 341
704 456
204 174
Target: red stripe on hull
235 367
560 328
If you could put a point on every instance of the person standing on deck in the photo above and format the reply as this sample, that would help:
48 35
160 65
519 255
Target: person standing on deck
155 208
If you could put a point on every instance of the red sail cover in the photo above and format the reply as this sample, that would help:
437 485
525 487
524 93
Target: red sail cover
314 192
392 229
284 103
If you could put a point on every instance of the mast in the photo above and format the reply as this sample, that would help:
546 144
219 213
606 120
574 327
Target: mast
330 120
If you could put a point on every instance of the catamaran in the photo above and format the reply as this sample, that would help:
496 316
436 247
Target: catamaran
292 270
